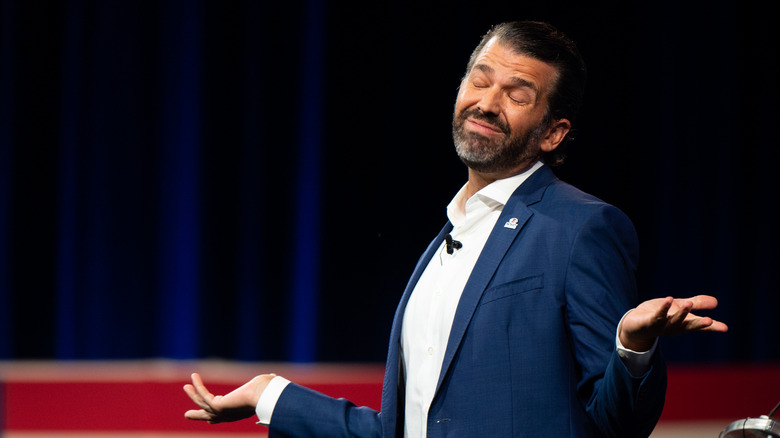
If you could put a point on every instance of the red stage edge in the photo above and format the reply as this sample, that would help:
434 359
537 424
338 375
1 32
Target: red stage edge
145 398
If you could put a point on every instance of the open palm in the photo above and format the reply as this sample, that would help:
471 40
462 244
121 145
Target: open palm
667 317
236 405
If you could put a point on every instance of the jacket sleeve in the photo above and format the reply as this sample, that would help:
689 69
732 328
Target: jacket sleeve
600 288
627 406
302 412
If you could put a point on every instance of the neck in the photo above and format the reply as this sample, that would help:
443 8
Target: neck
479 180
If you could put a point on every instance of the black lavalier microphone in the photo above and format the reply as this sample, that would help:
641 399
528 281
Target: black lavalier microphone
451 244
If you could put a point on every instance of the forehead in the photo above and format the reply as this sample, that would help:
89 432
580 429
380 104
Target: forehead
499 59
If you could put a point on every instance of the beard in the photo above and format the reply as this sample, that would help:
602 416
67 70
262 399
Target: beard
487 155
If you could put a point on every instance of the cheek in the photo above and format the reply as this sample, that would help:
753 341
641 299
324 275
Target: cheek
521 121
459 103
465 99
517 124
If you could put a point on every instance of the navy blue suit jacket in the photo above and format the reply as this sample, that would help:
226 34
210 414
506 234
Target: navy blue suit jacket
532 346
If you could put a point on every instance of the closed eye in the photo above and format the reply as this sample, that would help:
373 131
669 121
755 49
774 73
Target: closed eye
521 96
478 82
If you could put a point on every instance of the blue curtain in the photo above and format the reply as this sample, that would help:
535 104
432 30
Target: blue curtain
255 181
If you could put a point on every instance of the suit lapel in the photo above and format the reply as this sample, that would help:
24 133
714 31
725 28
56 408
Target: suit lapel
509 225
390 389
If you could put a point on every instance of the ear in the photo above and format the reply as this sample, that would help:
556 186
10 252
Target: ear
555 134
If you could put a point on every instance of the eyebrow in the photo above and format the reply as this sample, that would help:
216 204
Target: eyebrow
518 82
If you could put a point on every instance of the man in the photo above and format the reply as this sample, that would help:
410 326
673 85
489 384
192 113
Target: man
516 320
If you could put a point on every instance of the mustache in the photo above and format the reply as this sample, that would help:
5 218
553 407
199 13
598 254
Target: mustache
491 119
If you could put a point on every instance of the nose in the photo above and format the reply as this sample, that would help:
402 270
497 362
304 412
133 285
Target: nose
490 101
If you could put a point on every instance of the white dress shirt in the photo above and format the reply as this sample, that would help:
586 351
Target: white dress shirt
431 308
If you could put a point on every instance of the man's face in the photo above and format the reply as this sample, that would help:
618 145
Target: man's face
498 124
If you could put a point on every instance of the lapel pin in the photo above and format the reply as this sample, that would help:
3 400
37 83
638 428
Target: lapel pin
511 223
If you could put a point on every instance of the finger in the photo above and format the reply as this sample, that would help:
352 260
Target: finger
710 325
200 388
678 316
198 400
190 391
199 394
197 415
718 326
675 312
662 313
193 394
704 302
697 323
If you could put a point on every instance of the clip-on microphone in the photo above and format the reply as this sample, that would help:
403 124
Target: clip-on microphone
451 244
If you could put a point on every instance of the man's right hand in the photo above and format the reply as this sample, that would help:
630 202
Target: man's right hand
237 405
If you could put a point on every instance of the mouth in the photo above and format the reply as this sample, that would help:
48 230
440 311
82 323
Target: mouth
483 127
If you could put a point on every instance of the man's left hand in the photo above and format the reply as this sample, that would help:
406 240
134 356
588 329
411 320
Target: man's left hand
667 317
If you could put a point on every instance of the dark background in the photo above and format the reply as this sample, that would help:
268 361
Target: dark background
255 180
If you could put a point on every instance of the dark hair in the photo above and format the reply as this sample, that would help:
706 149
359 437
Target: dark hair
544 42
